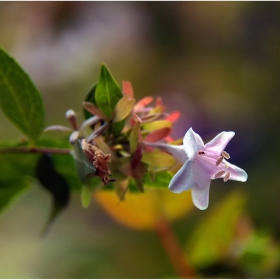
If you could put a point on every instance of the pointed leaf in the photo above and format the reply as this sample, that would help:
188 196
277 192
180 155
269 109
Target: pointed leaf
107 93
134 137
127 89
90 98
158 134
143 102
152 126
123 108
173 117
158 110
19 99
92 109
139 184
159 159
86 195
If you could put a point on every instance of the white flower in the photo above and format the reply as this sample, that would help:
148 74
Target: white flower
201 163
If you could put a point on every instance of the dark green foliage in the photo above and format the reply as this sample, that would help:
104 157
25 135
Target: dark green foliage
19 98
107 93
54 183
90 98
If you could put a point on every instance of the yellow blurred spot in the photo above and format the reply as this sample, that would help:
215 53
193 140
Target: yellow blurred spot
143 211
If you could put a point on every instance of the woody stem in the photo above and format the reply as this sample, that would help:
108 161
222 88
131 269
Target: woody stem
174 250
43 150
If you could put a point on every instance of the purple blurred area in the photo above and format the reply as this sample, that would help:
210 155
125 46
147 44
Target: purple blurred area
216 62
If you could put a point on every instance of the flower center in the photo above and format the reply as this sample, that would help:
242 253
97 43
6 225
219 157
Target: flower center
218 162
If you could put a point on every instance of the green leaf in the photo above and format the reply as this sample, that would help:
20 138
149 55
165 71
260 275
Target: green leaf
118 127
55 183
123 108
159 159
211 239
86 195
134 137
16 169
155 125
107 93
90 98
84 167
19 99
161 180
10 191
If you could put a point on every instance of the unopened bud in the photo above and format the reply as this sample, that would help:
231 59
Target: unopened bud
73 137
71 117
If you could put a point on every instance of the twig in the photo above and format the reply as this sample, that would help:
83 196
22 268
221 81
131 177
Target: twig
43 150
174 250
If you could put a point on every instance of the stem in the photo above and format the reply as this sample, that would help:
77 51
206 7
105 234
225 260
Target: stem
174 250
43 150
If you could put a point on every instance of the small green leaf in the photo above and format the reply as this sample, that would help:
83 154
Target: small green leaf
159 159
19 99
134 137
162 180
117 127
84 167
86 195
107 93
139 184
152 126
91 99
53 182
123 108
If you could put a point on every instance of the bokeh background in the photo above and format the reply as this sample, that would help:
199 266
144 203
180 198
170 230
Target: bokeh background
216 62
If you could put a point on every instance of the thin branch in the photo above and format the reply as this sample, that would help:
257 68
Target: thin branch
42 150
174 250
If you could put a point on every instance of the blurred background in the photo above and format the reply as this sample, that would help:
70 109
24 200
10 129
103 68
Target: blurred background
216 62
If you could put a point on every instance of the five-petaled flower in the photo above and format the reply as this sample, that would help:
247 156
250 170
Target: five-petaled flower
201 163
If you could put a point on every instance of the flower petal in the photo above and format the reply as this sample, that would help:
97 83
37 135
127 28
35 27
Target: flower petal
183 179
192 143
236 173
178 151
218 144
200 196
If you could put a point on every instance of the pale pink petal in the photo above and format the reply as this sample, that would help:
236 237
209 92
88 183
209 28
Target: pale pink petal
236 173
200 196
204 165
203 171
218 144
178 151
183 180
192 143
